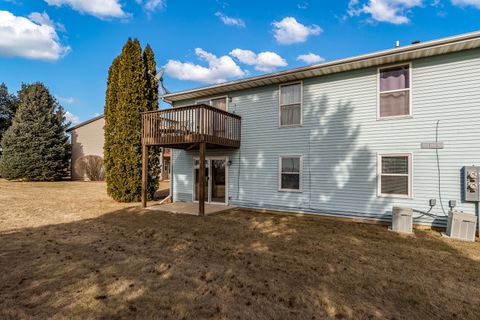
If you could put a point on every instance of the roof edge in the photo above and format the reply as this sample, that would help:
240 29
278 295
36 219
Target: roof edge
85 123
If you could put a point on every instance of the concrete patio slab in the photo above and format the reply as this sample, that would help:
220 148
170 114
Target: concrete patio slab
190 208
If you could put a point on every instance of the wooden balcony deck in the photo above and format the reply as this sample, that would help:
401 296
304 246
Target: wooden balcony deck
191 127
188 127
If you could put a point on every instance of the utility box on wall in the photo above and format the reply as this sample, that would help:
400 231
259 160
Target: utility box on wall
471 184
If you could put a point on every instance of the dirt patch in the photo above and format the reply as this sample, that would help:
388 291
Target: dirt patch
67 251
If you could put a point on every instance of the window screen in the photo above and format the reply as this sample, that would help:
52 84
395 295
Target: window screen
395 175
290 173
394 91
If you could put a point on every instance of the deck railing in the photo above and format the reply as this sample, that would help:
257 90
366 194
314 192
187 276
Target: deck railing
183 126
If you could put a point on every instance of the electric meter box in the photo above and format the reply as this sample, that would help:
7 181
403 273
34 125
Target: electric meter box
471 184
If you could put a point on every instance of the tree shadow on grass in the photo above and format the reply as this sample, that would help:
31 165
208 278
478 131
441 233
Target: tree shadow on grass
240 265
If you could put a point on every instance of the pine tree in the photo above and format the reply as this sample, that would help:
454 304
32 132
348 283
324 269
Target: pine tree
129 93
8 106
36 147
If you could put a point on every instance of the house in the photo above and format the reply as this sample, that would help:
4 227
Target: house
87 138
348 138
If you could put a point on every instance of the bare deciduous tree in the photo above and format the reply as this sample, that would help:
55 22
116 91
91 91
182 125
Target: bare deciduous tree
92 167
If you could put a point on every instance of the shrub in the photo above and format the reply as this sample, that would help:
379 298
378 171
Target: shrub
92 167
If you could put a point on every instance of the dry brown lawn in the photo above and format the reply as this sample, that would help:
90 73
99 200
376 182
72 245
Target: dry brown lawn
68 251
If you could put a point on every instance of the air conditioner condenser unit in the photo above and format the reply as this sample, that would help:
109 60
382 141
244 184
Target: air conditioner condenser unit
461 226
402 220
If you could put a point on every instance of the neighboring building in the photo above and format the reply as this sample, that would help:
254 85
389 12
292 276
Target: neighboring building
87 139
347 138
165 164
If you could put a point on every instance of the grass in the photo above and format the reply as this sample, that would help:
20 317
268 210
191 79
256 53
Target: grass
68 251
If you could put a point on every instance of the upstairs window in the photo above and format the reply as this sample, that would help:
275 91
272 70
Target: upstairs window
291 104
219 103
394 92
395 175
290 173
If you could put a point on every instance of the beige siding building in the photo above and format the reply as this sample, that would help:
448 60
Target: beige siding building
87 139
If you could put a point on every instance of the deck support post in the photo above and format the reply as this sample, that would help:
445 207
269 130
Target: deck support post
144 174
201 180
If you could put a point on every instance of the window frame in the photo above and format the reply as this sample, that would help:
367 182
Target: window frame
280 104
410 91
214 98
410 175
300 173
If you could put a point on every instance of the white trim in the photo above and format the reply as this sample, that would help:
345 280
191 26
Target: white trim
279 172
410 175
409 89
215 98
209 195
280 104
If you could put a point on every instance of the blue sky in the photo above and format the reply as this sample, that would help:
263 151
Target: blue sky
70 44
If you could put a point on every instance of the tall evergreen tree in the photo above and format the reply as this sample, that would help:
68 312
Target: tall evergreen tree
129 93
8 107
36 147
152 89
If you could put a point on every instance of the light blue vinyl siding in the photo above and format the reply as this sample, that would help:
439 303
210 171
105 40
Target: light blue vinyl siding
341 138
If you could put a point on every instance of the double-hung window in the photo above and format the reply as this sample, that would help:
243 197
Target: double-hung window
291 104
290 173
394 92
395 175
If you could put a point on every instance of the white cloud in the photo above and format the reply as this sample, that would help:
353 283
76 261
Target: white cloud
229 21
310 58
289 31
32 38
73 119
303 5
43 18
219 69
266 61
392 11
464 3
66 100
152 5
97 8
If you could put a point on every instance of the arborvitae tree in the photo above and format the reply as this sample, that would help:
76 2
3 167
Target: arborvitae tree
152 89
8 106
111 146
128 95
151 67
36 147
